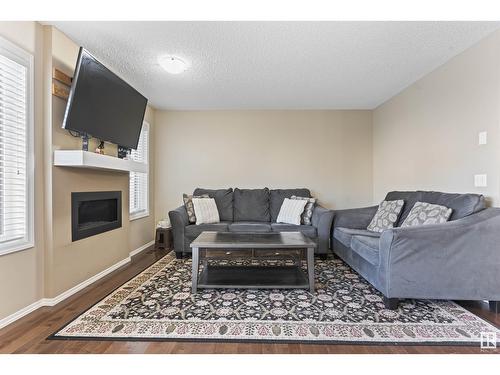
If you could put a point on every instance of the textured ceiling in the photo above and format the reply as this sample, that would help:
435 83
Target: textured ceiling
275 65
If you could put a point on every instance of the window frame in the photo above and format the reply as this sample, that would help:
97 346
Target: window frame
143 213
25 58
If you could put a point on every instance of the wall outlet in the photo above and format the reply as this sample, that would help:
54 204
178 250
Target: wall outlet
480 180
483 138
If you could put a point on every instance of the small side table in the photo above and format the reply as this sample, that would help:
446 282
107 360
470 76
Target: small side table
163 238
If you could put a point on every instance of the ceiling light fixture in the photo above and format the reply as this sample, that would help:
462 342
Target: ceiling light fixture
172 64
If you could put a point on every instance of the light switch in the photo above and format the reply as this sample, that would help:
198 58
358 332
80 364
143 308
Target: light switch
480 180
483 138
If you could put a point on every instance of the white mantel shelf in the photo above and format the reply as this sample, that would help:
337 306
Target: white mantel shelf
91 160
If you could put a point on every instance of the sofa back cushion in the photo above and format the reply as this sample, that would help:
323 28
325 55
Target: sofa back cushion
278 195
462 204
251 205
410 197
223 200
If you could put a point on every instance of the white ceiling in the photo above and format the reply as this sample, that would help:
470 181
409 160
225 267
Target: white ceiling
275 65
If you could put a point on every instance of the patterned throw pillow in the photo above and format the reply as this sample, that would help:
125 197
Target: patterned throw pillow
291 211
206 211
308 210
426 213
188 203
386 216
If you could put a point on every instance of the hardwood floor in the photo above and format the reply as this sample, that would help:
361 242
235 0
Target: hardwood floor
28 335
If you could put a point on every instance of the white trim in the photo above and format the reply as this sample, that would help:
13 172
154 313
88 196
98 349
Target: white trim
141 249
61 297
24 57
19 314
138 215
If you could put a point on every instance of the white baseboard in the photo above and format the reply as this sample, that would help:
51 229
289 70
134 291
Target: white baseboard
61 297
19 314
141 249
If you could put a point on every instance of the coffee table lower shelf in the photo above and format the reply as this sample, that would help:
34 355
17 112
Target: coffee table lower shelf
253 277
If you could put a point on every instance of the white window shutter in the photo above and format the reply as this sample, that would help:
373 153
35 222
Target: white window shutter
16 173
139 182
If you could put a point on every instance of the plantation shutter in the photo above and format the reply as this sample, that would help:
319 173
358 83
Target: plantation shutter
15 87
139 182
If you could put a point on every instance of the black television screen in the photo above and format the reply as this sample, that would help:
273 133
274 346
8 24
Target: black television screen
103 105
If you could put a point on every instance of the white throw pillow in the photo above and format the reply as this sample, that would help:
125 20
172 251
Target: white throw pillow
386 216
205 211
291 211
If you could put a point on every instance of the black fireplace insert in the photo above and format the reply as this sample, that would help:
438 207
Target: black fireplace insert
95 212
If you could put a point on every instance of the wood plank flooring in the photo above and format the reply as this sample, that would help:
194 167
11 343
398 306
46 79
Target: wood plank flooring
28 335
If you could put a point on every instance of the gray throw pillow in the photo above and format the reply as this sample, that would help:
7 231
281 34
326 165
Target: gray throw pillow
386 215
188 204
308 209
424 213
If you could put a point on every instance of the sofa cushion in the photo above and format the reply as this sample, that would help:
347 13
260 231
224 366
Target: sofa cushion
291 211
223 199
278 195
251 205
366 247
410 197
206 211
306 217
249 226
188 203
307 230
193 231
386 215
462 204
344 235
424 213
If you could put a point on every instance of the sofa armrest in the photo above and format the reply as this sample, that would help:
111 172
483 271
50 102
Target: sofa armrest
179 220
354 218
322 220
455 260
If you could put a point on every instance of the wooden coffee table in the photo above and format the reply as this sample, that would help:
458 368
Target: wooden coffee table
271 246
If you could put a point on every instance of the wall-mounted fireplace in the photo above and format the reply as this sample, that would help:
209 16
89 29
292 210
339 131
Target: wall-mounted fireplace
95 212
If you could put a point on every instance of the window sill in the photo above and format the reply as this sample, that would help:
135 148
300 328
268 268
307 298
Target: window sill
16 248
138 215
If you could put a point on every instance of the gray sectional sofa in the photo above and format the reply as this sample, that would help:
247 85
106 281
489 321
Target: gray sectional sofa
458 260
250 210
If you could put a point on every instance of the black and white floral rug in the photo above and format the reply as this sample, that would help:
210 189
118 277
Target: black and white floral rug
157 305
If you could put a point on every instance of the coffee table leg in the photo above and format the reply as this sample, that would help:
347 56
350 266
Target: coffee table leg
310 268
194 273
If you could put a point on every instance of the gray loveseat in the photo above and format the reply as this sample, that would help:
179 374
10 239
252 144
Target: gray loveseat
250 210
457 260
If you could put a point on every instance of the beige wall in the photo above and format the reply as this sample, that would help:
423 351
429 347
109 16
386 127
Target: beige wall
326 151
56 264
21 273
427 136
74 262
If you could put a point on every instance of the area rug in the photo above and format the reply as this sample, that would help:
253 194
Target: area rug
157 305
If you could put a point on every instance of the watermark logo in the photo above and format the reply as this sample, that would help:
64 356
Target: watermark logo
488 340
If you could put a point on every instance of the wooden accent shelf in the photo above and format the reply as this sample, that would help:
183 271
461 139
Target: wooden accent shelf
91 160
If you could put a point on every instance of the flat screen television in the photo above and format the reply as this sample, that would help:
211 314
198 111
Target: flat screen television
103 105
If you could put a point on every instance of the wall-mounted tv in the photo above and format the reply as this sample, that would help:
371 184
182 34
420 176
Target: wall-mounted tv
103 105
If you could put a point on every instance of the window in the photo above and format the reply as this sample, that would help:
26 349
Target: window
16 159
139 182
